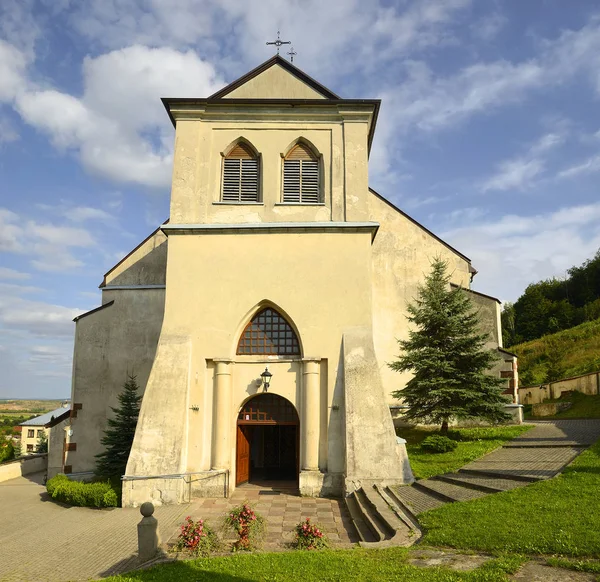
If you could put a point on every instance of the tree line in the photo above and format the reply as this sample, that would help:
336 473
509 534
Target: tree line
554 304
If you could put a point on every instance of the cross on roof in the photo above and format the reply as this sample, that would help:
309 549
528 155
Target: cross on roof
292 54
279 42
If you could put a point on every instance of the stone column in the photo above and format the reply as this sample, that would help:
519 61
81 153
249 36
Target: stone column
221 450
311 414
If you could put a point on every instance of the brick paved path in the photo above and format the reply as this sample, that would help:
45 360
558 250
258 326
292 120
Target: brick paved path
540 453
43 541
282 512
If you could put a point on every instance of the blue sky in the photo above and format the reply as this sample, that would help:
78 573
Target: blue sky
489 135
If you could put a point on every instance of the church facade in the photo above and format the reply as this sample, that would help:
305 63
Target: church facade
258 320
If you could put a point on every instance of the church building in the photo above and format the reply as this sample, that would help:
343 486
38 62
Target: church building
260 318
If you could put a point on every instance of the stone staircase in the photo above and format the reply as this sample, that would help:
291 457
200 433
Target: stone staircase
380 519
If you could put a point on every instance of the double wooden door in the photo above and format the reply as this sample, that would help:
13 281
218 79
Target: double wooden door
242 469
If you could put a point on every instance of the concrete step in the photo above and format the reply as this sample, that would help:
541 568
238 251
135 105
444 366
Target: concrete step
416 500
363 530
452 491
379 528
515 475
481 482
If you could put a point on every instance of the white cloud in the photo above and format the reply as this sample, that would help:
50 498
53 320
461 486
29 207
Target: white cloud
36 317
520 173
517 250
488 27
118 125
6 273
13 66
50 246
589 166
84 213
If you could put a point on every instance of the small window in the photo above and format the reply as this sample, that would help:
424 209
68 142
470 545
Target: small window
301 181
30 433
240 175
269 334
30 448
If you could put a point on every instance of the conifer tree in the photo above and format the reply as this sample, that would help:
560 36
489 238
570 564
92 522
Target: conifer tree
42 443
118 437
445 352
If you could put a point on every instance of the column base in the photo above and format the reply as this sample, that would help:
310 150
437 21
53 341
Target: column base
318 484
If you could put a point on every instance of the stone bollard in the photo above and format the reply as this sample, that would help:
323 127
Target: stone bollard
148 535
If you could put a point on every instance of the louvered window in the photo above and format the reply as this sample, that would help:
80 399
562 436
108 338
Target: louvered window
301 176
240 175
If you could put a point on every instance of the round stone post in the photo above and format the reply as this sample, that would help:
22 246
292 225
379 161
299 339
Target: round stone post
311 414
148 534
221 452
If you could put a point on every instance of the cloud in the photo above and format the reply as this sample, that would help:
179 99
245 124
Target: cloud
118 126
49 245
8 133
6 273
37 318
488 27
13 67
517 250
520 173
589 166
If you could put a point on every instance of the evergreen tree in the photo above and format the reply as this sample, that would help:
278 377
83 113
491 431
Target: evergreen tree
17 448
446 355
118 437
42 443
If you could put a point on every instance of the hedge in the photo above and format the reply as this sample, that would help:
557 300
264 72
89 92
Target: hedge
61 488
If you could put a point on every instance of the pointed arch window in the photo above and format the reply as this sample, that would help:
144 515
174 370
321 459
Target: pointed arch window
301 176
269 334
241 175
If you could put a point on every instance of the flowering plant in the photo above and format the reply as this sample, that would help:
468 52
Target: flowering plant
310 536
196 537
248 525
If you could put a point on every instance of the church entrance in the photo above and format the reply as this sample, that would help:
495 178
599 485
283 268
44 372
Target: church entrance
267 441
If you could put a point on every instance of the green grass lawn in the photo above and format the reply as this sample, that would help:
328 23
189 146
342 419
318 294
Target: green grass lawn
560 516
584 406
472 444
325 566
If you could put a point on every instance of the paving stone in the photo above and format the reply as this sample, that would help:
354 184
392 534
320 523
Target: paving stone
417 501
455 492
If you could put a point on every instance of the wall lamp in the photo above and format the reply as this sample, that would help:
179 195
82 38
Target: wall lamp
266 378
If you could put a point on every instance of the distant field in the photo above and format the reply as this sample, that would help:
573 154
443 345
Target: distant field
28 406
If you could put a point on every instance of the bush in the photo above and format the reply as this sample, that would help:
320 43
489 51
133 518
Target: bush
248 525
438 444
197 537
309 536
7 451
61 488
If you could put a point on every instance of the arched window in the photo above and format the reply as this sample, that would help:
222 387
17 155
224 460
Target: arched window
269 334
241 175
301 181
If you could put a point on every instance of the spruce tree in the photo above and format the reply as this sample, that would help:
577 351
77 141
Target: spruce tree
118 437
445 352
42 443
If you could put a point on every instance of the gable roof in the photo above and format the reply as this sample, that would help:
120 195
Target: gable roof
46 418
285 64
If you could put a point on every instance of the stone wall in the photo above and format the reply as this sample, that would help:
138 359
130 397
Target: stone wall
23 466
586 383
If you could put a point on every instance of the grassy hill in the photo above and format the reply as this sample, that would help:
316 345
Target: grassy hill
564 354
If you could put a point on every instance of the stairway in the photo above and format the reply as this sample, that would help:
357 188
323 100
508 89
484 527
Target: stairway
379 519
463 485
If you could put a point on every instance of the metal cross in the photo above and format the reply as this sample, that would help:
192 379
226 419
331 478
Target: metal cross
292 54
279 42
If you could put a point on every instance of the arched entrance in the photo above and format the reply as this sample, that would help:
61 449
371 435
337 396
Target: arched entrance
267 440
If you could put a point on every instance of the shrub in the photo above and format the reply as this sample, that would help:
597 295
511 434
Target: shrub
310 536
248 525
7 451
438 443
61 488
197 537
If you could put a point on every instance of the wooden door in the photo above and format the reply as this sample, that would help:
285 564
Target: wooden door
242 465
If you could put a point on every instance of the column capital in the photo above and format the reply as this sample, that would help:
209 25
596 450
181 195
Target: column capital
311 359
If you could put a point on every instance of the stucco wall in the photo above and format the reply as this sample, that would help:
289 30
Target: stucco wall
56 440
586 383
402 255
320 281
23 466
274 83
201 143
111 343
